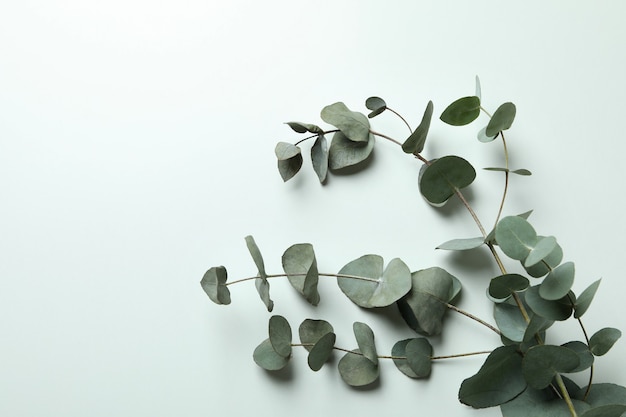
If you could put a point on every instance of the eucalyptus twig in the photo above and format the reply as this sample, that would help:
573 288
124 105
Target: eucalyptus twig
402 118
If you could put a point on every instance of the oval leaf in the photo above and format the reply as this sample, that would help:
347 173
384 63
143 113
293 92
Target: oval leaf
462 244
603 340
300 265
345 153
321 351
289 160
558 282
419 353
319 157
356 370
461 112
365 340
585 299
367 285
510 321
311 331
280 335
542 249
541 363
558 310
443 177
305 127
377 105
553 260
502 287
398 353
353 125
516 237
585 356
502 119
214 285
266 357
261 283
417 139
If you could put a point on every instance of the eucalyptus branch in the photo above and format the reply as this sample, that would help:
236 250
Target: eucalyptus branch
321 274
402 118
316 136
471 316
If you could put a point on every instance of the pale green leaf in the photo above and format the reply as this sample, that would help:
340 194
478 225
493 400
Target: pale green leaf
558 282
261 283
214 284
515 236
280 335
443 177
311 331
353 125
356 370
398 352
542 362
266 357
344 153
502 119
603 340
321 351
585 299
462 111
558 310
300 265
552 260
305 127
377 105
419 353
319 157
462 244
365 340
289 160
542 249
417 139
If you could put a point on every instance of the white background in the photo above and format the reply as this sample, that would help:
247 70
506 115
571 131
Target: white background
136 151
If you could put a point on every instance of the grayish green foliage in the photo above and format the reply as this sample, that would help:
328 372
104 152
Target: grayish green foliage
261 283
585 356
305 127
482 136
585 298
502 119
461 112
558 282
266 357
419 353
552 260
399 358
365 340
377 105
503 286
356 370
300 265
319 157
603 340
417 139
558 310
444 177
289 159
321 351
499 380
353 125
462 244
368 285
345 153
540 403
510 321
516 237
214 284
311 331
542 249
280 335
603 394
542 362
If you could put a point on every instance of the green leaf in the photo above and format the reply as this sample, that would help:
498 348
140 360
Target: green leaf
419 353
585 299
510 321
558 282
365 340
502 119
280 335
417 139
377 105
515 236
553 260
461 112
321 351
522 171
503 286
585 356
261 283
462 244
537 325
482 136
558 310
289 159
603 340
542 249
214 285
369 286
398 353
497 169
611 410
478 88
266 357
319 157
603 394
311 331
443 177
353 125
305 127
356 370
345 153
423 308
542 362
499 380
540 403
300 265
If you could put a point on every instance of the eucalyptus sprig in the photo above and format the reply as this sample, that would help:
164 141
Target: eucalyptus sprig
522 374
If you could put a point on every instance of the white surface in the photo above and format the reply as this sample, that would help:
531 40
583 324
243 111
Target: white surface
136 151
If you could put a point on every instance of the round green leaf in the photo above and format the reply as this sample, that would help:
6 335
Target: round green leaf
461 112
542 362
377 105
603 340
542 249
503 286
355 126
311 331
289 159
417 139
585 299
540 403
398 352
502 119
300 265
319 157
510 321
345 153
462 244
266 357
482 137
214 285
585 356
419 356
367 285
443 177
305 127
365 340
515 236
558 282
280 335
553 260
603 394
558 310
321 351
356 370
499 380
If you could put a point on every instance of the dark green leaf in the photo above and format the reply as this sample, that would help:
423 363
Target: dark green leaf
612 410
367 285
558 310
603 340
289 159
280 335
345 153
461 112
300 265
321 351
417 139
558 282
377 105
356 370
442 178
353 125
266 357
214 284
541 363
540 403
462 244
515 236
499 380
585 299
585 356
502 287
319 157
502 119
261 283
603 394
365 340
496 169
305 127
522 171
311 331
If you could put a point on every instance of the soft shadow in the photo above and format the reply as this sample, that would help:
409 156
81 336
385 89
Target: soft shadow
282 376
478 259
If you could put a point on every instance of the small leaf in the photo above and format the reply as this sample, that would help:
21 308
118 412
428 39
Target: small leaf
398 353
417 139
558 282
353 125
289 159
305 127
516 237
344 153
542 362
419 356
478 88
461 112
300 265
503 286
462 244
261 283
442 178
356 370
537 325
522 171
280 335
498 381
585 299
585 356
542 249
558 310
319 156
603 340
553 260
502 119
367 285
496 169
377 105
266 357
311 331
321 351
365 340
214 284
482 136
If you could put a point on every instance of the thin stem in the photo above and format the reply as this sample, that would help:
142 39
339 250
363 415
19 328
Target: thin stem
458 355
385 137
471 316
582 327
322 274
402 118
566 397
315 136
486 112
461 355
506 179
